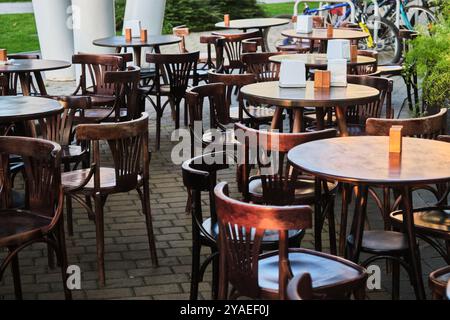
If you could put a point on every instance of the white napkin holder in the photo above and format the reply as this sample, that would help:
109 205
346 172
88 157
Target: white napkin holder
338 70
134 25
304 24
338 49
292 74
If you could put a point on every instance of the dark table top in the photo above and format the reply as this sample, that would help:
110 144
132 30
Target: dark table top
33 65
19 108
367 160
317 59
321 34
152 41
253 23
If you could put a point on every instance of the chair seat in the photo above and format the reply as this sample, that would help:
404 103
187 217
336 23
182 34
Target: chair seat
390 70
433 221
302 47
439 280
378 241
325 270
269 237
100 114
73 179
259 113
226 138
101 100
304 190
17 226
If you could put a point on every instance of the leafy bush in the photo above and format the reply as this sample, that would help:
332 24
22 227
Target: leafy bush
430 55
199 15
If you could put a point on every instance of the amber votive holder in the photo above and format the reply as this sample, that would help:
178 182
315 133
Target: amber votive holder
353 53
322 79
395 139
3 55
226 20
128 35
144 35
329 31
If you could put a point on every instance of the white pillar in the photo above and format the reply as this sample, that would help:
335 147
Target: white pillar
151 15
55 35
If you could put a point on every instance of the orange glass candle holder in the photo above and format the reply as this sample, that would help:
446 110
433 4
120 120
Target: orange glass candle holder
353 53
3 55
144 35
322 79
395 139
128 34
226 20
329 31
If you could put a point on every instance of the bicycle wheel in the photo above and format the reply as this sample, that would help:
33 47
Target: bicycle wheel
386 41
420 18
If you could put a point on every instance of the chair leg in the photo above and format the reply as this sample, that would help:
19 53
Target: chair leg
61 238
177 114
408 92
50 257
215 277
148 219
185 114
346 195
158 130
195 269
395 280
16 275
69 215
100 230
332 226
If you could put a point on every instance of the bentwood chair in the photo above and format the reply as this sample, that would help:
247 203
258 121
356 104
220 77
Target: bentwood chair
259 64
3 85
276 182
439 282
265 276
200 178
41 221
33 84
233 49
178 69
366 69
128 142
300 288
244 112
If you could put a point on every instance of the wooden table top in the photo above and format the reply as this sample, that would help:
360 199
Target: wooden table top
366 160
20 108
321 34
253 23
317 60
152 41
33 65
271 93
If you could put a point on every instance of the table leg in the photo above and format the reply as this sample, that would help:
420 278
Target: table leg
408 222
298 120
265 35
342 121
24 83
277 118
320 118
40 83
137 56
358 222
318 219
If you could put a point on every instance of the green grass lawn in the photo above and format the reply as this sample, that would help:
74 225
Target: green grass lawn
19 30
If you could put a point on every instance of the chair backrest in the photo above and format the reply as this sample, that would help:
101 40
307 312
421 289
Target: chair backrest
252 45
59 128
182 32
178 69
95 66
127 57
14 78
366 69
241 230
425 127
300 287
200 176
260 65
42 174
233 47
128 142
211 42
360 113
232 82
3 85
267 150
126 85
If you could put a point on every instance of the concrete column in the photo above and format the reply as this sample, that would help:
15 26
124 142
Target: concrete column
55 34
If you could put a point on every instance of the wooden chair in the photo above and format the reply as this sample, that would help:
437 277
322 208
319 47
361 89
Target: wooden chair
265 276
300 287
34 83
178 68
260 65
366 69
244 112
233 49
3 85
41 220
128 142
278 183
439 282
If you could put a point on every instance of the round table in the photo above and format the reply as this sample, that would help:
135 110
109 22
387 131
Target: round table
318 60
262 24
365 162
322 35
119 42
20 109
23 67
298 98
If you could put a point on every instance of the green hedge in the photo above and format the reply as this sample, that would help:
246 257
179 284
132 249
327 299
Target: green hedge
199 15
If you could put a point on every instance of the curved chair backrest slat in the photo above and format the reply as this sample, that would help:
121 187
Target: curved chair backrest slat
260 65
